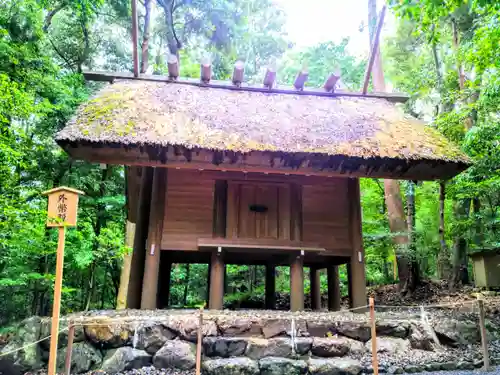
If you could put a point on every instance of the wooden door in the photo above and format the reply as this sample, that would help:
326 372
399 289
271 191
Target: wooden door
258 210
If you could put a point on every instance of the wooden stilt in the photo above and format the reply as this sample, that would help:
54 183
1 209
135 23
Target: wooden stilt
357 263
69 348
54 332
134 290
297 283
315 284
270 287
333 288
121 300
153 248
208 282
217 281
164 280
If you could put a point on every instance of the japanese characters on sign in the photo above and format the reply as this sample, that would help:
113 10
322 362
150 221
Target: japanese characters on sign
62 208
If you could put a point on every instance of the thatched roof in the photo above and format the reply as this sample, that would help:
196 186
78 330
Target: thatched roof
159 114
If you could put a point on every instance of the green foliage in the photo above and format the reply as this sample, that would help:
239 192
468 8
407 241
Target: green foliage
45 44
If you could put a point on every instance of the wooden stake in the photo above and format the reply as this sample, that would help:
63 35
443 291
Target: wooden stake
135 33
69 349
484 337
373 53
56 307
374 336
200 343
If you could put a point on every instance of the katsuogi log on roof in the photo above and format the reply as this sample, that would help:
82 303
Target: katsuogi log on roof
155 123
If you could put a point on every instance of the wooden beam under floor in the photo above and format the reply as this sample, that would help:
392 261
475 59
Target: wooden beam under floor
270 287
333 288
315 288
297 283
153 248
216 299
357 263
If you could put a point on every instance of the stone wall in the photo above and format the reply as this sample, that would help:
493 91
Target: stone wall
256 342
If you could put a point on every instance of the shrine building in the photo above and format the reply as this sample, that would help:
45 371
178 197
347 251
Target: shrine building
226 173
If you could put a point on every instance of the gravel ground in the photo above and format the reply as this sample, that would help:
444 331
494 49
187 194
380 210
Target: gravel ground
153 371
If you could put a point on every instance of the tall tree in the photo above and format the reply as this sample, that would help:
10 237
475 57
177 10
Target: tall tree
407 265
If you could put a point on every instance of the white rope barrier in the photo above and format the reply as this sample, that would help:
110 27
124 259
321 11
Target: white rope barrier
30 344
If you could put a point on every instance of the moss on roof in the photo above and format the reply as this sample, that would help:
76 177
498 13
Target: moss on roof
134 112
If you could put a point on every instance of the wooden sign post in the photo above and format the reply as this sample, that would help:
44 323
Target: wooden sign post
61 213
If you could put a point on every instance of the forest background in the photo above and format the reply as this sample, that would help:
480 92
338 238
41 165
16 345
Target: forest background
445 56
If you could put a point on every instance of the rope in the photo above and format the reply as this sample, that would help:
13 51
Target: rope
30 344
439 304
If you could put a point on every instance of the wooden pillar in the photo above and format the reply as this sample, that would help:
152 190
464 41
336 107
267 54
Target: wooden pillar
134 289
216 300
333 288
297 283
208 281
315 286
164 280
357 262
121 300
153 245
270 286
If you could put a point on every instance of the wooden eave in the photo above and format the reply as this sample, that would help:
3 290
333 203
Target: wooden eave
262 161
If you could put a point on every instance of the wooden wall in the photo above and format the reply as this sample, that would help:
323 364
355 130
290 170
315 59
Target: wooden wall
325 214
189 210
322 218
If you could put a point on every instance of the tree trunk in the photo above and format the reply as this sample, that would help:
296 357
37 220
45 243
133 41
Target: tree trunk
186 285
90 287
443 261
410 202
460 260
145 37
461 207
172 42
408 273
478 223
407 265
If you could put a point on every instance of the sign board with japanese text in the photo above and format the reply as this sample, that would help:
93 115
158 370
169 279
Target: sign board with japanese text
63 206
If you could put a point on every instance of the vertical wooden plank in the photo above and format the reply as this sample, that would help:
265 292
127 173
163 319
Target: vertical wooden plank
220 208
270 287
233 208
333 288
216 281
139 252
164 280
284 212
296 211
153 248
297 283
121 300
357 263
267 222
315 288
247 221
